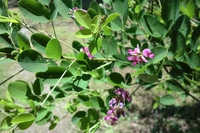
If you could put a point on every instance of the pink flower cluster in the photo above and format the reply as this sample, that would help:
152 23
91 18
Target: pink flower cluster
117 105
87 51
138 57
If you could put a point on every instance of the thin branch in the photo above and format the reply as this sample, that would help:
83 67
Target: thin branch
183 89
54 31
136 89
11 77
57 83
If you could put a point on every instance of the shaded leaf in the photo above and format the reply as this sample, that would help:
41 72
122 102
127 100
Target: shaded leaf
52 75
32 61
39 41
167 100
152 26
34 10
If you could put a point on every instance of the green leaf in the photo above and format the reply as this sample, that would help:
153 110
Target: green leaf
148 78
19 90
22 41
183 67
137 9
182 24
120 6
110 18
159 54
152 26
39 41
6 123
167 100
42 112
4 19
76 118
21 118
195 38
83 123
176 73
170 10
193 59
38 86
53 7
83 33
25 125
140 71
116 24
83 99
116 79
197 2
45 119
107 30
189 10
63 7
97 102
32 61
83 61
53 49
83 18
52 75
178 42
93 115
175 86
81 82
3 28
94 46
34 10
110 46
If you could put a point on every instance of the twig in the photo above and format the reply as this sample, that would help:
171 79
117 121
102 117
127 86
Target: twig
136 89
54 31
57 83
11 77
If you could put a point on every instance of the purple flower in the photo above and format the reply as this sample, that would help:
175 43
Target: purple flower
139 57
147 53
87 51
111 116
116 106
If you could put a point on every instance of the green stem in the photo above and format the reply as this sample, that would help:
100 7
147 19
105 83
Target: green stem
11 77
136 89
57 83
6 113
54 31
93 59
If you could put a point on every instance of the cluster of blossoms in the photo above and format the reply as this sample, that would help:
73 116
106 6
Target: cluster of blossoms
117 105
87 51
138 57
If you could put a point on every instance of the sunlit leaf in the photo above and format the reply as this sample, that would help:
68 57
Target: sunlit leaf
53 49
83 18
21 118
19 90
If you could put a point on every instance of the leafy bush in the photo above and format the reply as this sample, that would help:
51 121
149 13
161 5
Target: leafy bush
158 41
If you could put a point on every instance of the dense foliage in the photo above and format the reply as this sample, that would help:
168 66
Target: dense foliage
157 40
